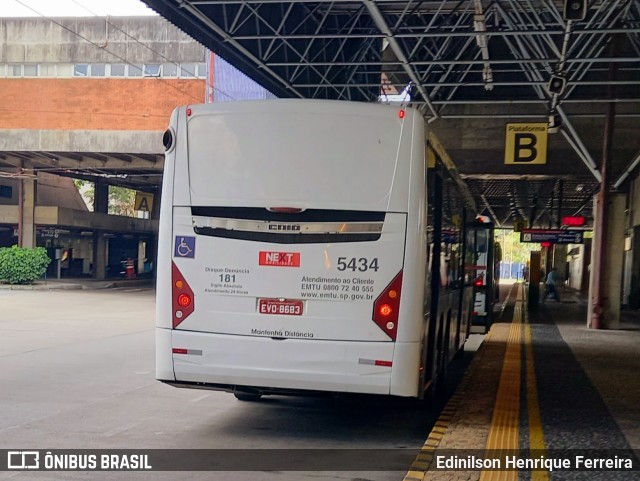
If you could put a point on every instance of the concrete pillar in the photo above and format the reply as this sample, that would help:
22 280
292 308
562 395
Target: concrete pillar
560 261
101 198
155 208
27 212
99 255
614 263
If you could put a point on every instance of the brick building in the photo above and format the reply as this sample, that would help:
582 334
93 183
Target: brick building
88 97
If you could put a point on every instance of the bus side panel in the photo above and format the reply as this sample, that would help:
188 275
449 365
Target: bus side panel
407 359
163 284
283 363
164 358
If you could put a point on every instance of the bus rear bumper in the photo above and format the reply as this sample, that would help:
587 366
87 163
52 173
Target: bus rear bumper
267 365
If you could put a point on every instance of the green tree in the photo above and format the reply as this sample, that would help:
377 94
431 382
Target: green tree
121 201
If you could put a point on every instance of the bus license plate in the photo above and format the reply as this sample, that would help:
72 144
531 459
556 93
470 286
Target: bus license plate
280 307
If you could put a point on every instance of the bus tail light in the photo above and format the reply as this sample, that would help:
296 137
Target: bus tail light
182 302
479 282
386 307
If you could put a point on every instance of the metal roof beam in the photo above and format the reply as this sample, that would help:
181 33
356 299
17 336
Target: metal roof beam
397 50
227 38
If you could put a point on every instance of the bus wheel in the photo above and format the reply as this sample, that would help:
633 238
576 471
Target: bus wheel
243 396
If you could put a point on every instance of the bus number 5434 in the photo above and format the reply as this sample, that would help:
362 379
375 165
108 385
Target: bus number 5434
361 264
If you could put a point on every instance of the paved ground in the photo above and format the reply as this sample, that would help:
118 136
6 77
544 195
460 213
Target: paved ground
77 371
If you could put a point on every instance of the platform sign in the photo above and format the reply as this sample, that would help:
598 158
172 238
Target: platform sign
144 201
554 236
526 144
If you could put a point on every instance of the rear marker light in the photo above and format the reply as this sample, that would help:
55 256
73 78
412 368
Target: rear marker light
285 210
189 112
176 350
386 310
383 363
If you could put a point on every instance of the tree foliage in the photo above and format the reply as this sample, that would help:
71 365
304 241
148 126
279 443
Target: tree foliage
20 265
512 249
121 199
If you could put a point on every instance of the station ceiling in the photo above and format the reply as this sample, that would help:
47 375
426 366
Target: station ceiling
471 66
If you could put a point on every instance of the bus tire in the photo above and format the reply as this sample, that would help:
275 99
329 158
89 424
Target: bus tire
243 396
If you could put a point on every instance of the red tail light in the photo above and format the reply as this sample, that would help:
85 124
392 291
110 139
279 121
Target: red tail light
479 282
386 307
182 301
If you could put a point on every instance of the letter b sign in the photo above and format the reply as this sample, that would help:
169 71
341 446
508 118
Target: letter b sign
526 144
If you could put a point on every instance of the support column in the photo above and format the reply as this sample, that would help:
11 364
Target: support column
560 261
612 266
101 198
27 212
99 255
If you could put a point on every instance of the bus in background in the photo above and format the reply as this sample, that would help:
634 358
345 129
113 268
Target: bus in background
294 249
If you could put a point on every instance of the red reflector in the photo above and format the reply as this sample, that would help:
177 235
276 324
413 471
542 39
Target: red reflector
184 300
386 307
383 363
401 114
189 112
177 350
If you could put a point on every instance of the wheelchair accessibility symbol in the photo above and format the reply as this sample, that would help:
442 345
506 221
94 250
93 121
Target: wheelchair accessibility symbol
185 247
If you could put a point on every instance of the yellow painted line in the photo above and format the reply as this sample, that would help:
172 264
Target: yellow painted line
505 424
423 460
536 433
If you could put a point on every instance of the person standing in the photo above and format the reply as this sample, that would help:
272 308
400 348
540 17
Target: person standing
551 285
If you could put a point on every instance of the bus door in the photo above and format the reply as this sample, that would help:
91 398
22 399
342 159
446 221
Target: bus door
479 271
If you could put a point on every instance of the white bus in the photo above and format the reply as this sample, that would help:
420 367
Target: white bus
293 252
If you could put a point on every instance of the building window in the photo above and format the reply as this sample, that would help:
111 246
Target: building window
64 70
117 70
14 71
169 70
135 70
80 70
187 70
151 70
6 191
30 70
201 70
97 70
48 70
